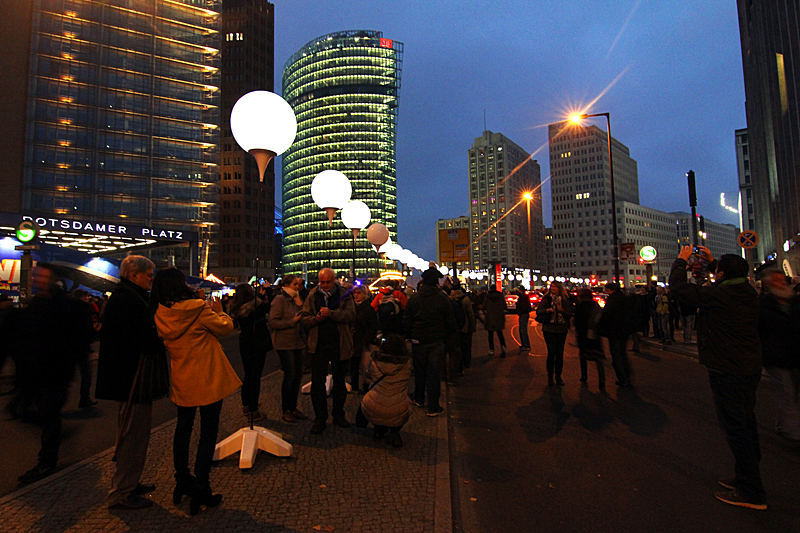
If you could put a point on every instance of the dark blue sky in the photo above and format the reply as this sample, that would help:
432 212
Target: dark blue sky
677 99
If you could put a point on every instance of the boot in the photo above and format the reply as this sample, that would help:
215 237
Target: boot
202 496
183 487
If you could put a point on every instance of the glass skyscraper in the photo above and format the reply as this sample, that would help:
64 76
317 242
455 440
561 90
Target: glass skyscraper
344 90
123 116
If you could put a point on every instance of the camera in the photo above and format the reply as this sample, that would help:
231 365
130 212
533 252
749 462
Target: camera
696 250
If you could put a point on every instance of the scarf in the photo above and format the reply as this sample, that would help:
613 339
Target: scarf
293 295
558 318
326 295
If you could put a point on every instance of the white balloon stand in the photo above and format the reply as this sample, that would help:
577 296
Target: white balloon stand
248 441
328 386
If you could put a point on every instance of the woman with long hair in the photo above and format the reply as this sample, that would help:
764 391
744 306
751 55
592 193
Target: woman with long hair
287 338
254 343
554 312
201 377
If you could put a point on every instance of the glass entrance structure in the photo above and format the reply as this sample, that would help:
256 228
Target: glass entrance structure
344 90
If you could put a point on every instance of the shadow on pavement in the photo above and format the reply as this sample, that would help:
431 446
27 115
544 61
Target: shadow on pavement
641 417
543 418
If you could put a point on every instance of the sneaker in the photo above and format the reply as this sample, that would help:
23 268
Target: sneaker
132 501
289 417
87 402
729 484
298 415
437 411
257 415
318 427
341 422
491 353
416 403
503 351
36 473
142 489
733 497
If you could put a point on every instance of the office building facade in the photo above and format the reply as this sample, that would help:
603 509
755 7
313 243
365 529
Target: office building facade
770 39
500 172
719 238
246 215
113 115
581 199
344 89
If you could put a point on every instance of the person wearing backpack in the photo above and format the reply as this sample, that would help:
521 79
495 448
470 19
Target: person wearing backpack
494 308
466 330
389 304
614 326
452 365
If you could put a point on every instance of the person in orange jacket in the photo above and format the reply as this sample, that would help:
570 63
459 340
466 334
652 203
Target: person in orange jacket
390 317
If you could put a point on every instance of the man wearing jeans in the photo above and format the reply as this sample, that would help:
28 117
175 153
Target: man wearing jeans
729 346
428 322
523 309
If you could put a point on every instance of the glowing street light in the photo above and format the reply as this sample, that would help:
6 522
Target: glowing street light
577 118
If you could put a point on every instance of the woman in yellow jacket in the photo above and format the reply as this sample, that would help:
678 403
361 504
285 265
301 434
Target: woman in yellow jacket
201 377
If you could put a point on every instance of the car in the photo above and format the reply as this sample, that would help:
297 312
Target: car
511 301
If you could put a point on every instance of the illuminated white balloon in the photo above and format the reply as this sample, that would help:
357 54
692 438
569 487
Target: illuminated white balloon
378 234
261 120
355 215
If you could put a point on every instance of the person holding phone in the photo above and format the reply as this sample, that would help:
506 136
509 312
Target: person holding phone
287 339
554 312
201 377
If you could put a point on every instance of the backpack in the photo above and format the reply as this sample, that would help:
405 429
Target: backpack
389 314
458 313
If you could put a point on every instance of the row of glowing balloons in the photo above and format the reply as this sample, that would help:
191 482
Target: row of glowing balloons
264 124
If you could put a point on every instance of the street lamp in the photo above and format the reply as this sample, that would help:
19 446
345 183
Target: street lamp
577 119
264 125
528 196
355 216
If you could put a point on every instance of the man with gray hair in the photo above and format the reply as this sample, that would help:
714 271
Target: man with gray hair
131 370
328 315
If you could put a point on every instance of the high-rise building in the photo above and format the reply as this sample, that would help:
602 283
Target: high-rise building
344 89
549 268
248 59
644 226
746 207
770 39
720 238
111 111
580 179
500 173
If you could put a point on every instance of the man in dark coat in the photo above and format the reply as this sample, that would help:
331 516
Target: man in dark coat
428 322
614 325
523 309
127 337
56 332
779 327
729 346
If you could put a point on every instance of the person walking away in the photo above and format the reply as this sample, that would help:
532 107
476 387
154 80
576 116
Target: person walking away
494 308
386 404
328 315
554 312
652 296
451 362
587 318
662 311
465 333
132 370
729 346
523 309
251 313
366 329
389 304
614 326
56 332
428 322
289 343
84 364
201 377
779 329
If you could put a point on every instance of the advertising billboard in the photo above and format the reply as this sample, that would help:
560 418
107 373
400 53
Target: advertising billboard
453 245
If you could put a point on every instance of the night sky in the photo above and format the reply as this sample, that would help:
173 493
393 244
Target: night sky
669 73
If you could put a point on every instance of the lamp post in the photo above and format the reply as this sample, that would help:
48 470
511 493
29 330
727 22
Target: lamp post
331 190
356 216
528 196
264 125
577 119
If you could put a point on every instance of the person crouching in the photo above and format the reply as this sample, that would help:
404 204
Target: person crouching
386 404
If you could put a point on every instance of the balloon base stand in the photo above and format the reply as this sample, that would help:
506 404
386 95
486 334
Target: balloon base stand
248 441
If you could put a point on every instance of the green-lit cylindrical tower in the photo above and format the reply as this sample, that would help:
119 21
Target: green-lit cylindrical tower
343 88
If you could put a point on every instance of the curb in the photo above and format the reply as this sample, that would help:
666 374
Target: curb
443 507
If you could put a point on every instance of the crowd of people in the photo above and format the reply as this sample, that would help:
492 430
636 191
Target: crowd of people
159 338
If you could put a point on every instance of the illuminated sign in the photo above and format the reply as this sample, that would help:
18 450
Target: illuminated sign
27 230
57 224
454 245
648 253
387 43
